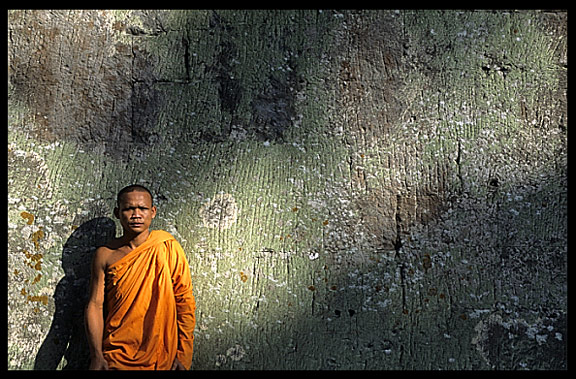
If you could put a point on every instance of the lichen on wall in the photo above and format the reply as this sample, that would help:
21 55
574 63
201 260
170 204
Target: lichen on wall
354 190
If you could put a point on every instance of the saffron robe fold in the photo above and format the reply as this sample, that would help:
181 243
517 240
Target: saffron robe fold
150 307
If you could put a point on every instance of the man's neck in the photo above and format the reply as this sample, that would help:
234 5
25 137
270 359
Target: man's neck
135 240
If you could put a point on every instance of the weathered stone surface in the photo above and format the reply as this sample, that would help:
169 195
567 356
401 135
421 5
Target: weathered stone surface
354 190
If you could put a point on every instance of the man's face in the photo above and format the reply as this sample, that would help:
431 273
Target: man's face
135 211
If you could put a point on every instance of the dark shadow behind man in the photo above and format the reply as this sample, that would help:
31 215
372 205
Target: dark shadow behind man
67 337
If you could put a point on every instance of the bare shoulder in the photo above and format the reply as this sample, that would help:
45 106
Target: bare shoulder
100 257
106 254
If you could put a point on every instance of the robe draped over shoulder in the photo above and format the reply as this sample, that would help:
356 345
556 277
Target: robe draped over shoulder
150 307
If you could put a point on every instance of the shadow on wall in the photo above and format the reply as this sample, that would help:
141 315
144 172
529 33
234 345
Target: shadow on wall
66 337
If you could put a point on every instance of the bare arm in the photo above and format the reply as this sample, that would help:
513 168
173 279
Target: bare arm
94 316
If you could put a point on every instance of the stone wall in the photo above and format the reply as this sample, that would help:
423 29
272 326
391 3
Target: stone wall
354 190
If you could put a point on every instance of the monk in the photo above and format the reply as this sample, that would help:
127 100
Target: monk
140 312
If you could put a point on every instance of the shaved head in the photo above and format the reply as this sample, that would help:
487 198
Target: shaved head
132 188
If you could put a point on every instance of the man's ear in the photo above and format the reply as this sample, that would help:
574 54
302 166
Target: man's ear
153 211
116 213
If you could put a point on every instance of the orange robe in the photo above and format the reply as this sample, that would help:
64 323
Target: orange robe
150 307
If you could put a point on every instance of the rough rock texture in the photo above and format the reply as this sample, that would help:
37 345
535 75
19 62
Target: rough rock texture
354 190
